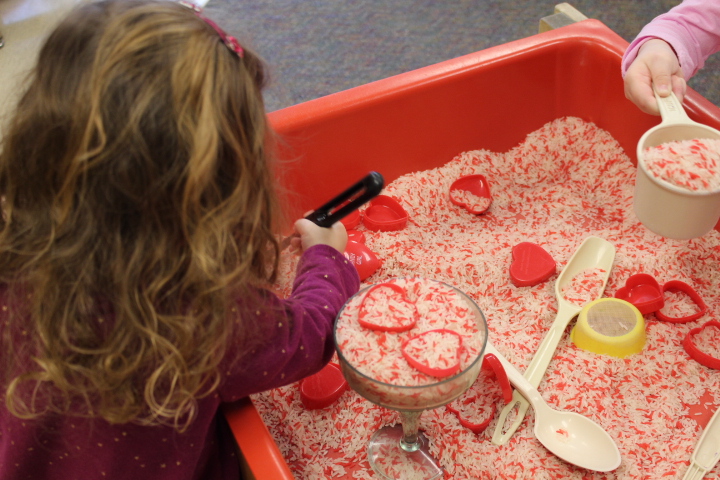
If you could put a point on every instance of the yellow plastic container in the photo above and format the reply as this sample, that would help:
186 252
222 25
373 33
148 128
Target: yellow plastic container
610 326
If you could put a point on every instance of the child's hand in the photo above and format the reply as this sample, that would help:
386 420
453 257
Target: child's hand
656 64
310 234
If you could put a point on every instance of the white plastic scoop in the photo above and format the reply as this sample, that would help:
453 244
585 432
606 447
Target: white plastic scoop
707 450
663 208
569 435
594 252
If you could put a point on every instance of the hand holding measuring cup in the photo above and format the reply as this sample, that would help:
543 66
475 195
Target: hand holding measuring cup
669 205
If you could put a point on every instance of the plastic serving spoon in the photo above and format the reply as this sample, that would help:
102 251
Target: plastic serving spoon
568 435
594 252
707 450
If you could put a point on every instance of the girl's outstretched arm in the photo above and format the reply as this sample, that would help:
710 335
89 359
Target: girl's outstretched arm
297 332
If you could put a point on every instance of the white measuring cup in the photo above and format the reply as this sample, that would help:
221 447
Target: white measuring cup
663 208
568 435
594 252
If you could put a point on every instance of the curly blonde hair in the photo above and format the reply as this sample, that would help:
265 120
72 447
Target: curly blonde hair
138 204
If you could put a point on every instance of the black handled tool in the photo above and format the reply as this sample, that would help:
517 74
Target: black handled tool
344 204
348 201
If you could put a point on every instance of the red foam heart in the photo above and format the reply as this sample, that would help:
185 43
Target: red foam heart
530 265
643 291
323 388
364 259
420 350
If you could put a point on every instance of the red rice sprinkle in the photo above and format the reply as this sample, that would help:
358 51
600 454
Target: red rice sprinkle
584 287
690 164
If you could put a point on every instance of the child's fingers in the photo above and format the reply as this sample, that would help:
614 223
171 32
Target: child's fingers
679 87
340 236
638 89
311 234
656 67
661 82
296 244
304 226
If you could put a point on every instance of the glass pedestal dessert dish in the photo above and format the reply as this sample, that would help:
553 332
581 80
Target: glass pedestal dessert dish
410 345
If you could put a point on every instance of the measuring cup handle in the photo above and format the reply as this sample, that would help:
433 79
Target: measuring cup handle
671 110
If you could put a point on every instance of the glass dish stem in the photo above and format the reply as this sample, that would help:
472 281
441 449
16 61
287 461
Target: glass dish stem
410 423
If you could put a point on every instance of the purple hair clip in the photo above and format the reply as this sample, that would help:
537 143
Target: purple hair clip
229 41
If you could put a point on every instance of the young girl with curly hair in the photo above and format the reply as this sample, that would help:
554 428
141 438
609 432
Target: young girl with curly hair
137 247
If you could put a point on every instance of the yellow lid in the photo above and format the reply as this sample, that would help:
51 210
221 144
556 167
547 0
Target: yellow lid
610 326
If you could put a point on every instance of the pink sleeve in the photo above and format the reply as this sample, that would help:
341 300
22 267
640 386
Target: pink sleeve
691 28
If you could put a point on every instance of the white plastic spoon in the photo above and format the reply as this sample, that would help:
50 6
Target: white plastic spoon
570 436
707 450
594 252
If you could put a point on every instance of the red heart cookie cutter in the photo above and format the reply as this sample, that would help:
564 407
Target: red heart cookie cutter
398 322
678 286
492 363
418 343
692 349
643 291
491 368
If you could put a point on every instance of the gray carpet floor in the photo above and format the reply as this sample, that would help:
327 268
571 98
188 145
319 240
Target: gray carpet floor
318 47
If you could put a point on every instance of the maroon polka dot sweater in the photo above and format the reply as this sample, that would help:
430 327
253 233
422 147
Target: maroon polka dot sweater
299 344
